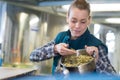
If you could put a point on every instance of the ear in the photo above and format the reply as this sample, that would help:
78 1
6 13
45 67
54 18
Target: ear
89 20
67 17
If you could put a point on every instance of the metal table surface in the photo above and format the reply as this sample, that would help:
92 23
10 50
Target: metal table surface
9 72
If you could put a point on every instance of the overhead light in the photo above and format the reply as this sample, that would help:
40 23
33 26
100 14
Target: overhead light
113 20
100 7
105 7
66 7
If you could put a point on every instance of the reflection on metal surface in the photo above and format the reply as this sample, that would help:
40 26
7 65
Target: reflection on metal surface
113 20
22 22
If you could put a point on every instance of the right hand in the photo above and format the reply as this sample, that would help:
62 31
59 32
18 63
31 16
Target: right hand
92 50
62 49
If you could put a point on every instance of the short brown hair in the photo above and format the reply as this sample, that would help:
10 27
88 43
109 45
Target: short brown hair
80 4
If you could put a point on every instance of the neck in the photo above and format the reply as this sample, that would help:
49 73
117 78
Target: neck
74 37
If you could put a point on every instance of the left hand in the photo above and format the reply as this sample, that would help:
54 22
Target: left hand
92 50
62 49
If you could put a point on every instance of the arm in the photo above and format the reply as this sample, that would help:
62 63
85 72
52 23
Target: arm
103 64
50 50
43 53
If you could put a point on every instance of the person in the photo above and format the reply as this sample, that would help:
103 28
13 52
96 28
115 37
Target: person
76 37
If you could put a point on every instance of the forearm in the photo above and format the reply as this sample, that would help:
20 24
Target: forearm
43 53
103 64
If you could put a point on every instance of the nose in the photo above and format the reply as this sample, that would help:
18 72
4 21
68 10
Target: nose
77 25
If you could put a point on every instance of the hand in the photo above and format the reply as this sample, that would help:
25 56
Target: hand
92 50
62 49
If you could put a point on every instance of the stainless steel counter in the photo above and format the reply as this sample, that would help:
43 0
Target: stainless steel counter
9 72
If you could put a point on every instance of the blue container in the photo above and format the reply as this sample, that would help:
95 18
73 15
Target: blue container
1 61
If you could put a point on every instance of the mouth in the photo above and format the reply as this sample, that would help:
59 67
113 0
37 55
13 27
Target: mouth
76 31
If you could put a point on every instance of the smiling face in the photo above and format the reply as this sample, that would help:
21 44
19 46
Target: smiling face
78 21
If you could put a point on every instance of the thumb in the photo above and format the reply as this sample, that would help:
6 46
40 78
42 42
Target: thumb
86 46
65 45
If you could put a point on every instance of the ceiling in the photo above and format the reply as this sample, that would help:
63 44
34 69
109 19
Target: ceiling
54 7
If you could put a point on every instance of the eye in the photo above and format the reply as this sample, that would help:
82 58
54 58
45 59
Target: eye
73 21
83 22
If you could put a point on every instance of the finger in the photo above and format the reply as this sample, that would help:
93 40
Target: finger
85 46
93 51
67 51
96 56
88 50
66 45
